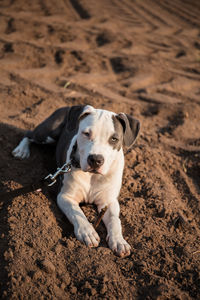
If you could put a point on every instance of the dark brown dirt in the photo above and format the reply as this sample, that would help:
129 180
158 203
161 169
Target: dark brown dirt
140 57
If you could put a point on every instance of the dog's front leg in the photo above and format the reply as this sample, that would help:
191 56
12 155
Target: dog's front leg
84 231
115 239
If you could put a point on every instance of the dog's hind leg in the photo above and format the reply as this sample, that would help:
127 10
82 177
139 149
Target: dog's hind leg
22 151
45 133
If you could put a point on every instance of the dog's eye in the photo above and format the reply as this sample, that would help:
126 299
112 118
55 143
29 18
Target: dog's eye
114 139
86 133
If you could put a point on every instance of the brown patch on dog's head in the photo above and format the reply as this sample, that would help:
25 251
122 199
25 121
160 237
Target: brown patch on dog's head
116 139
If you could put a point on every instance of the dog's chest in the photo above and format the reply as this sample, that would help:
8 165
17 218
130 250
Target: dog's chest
86 187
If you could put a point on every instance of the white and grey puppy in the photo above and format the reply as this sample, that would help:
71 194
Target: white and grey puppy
92 140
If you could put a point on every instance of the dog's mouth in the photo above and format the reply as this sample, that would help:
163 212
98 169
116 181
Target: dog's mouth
94 171
90 169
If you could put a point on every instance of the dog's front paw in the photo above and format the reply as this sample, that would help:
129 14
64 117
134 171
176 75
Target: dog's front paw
118 245
87 235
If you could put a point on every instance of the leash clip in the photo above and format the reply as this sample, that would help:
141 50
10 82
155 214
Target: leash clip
66 168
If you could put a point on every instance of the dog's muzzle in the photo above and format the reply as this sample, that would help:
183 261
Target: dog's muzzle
95 161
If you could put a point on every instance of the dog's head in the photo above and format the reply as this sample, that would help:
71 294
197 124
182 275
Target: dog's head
101 135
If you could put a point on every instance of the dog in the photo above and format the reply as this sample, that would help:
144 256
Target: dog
91 139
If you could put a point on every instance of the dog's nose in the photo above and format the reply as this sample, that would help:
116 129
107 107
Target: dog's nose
95 160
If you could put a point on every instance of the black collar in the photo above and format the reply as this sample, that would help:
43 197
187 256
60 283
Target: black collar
74 161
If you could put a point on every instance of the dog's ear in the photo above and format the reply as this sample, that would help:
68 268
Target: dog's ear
75 114
87 110
131 128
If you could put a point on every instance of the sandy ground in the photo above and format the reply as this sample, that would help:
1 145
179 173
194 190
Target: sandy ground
139 57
